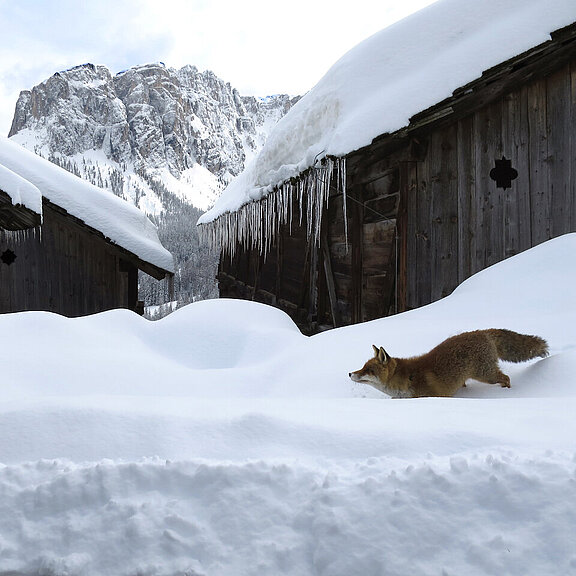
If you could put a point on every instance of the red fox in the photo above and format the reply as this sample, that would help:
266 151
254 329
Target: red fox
445 369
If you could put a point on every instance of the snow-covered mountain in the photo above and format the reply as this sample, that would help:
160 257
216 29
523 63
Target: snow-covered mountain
146 131
167 140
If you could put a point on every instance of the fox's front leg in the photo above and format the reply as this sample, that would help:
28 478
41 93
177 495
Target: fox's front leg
505 381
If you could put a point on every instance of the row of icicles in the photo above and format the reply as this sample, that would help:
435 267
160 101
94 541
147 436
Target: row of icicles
255 225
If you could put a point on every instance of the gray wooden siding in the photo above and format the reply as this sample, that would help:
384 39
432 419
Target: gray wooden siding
424 213
64 268
460 221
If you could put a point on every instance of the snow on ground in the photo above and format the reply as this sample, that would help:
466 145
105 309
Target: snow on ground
220 441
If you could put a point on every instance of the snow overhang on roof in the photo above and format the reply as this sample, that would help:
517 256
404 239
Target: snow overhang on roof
118 221
375 89
20 202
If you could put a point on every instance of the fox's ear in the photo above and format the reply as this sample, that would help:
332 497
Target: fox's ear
382 356
380 353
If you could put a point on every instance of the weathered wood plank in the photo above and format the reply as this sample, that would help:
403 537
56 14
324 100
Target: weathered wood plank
356 211
444 212
558 113
419 241
510 149
518 231
466 160
491 198
538 159
408 191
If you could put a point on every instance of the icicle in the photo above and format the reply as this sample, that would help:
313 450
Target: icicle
256 224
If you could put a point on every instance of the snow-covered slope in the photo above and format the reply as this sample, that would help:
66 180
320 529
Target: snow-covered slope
145 130
381 83
221 441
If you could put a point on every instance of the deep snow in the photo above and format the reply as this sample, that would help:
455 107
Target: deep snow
220 441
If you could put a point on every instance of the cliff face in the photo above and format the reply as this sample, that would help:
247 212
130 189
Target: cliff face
147 131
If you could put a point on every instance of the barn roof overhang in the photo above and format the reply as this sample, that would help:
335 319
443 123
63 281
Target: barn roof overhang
254 224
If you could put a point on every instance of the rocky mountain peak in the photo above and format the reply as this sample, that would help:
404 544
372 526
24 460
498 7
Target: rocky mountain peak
182 128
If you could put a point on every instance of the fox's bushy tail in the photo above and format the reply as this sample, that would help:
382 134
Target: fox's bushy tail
515 347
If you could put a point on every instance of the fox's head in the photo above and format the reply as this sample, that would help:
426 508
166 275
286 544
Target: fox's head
377 371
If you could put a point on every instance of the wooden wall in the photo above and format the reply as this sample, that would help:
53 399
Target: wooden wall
459 221
65 268
285 277
423 212
347 277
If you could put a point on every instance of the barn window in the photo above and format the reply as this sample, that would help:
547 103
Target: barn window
503 173
8 257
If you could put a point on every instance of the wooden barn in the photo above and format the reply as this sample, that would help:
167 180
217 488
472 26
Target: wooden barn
465 181
69 247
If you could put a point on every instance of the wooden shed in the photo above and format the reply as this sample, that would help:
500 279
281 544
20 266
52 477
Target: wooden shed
78 253
470 180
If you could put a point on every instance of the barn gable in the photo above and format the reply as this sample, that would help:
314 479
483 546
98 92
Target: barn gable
469 179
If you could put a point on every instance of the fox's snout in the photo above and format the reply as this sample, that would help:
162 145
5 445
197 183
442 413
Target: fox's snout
356 376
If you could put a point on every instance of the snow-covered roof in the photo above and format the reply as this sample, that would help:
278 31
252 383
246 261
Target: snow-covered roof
20 190
29 177
380 84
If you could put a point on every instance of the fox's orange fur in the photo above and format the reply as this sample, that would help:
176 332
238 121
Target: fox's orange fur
445 369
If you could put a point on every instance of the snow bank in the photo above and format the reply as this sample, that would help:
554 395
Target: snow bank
381 83
488 514
119 221
219 440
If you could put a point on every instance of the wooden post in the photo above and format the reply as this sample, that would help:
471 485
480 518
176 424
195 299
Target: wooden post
327 264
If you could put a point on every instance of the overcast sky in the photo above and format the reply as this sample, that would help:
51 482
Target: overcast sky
259 47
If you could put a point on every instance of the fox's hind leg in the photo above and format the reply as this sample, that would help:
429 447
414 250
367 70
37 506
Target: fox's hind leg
494 375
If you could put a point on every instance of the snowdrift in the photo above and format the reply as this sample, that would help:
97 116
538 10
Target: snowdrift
220 441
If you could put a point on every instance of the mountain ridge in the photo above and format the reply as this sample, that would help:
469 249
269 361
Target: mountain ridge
188 129
167 140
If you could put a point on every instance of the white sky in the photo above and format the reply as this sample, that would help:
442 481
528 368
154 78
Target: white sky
259 47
